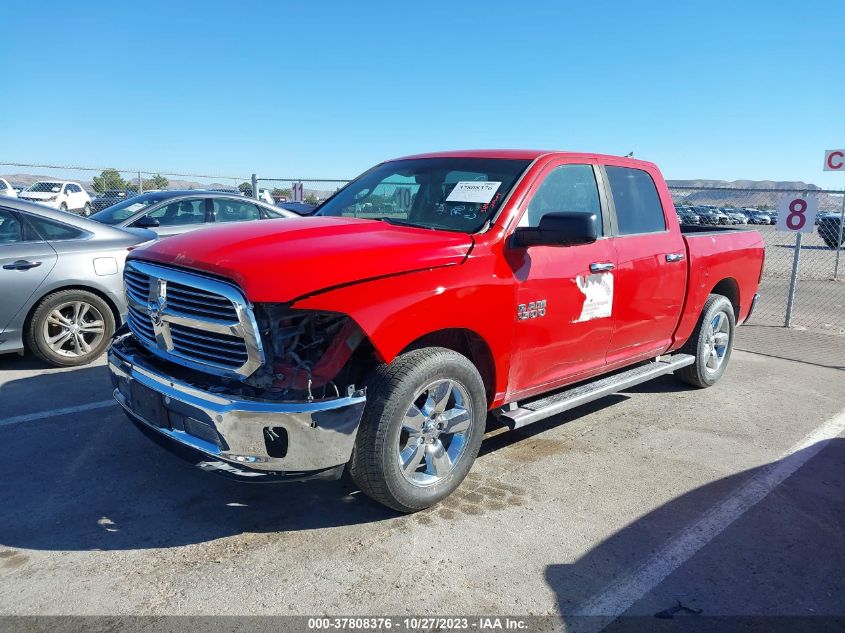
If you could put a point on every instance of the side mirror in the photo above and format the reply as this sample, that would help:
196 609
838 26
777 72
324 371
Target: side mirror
146 222
560 229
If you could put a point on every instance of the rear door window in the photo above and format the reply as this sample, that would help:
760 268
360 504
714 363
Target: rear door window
10 228
638 208
54 231
180 213
226 210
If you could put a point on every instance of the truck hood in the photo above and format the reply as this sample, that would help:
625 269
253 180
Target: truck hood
281 260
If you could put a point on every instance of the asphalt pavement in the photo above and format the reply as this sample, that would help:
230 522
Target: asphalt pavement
728 499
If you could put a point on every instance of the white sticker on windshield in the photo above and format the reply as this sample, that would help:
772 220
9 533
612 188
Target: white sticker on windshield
598 296
480 191
135 207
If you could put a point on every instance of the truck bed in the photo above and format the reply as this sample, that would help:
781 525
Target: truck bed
719 254
709 228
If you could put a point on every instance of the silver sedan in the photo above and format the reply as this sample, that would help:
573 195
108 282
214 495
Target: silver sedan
174 212
61 277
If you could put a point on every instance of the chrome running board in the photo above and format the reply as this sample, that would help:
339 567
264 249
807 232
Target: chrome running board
517 415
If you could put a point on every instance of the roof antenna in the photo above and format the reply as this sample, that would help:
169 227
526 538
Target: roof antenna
629 155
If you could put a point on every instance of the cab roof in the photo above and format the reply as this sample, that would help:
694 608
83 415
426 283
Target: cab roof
524 154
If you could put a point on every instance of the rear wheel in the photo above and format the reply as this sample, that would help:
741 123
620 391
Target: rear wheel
63 206
711 343
69 328
86 210
421 430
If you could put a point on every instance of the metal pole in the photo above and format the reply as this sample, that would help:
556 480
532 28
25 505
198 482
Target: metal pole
140 184
793 281
839 241
255 186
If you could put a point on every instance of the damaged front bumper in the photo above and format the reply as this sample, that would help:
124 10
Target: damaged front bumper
247 439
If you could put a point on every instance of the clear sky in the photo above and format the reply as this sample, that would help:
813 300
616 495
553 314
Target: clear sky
729 90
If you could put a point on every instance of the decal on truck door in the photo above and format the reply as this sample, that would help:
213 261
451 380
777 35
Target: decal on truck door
598 296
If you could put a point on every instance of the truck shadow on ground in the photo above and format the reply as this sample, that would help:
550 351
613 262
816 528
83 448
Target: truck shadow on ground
91 481
782 557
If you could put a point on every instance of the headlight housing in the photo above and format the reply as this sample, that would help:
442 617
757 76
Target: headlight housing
307 351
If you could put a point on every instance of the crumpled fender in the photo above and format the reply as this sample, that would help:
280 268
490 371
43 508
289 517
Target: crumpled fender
395 311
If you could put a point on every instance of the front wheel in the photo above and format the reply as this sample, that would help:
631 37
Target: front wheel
63 207
711 343
86 210
421 429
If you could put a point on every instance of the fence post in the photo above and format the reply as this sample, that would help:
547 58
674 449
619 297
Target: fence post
839 241
140 184
255 186
793 280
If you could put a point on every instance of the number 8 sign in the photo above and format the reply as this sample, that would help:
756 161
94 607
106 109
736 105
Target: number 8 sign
797 214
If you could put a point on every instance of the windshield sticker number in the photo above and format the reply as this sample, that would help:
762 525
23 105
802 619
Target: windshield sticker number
480 192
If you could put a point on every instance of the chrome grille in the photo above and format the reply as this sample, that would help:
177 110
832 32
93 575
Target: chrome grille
197 321
196 302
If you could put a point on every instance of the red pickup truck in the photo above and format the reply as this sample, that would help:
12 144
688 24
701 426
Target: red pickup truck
428 293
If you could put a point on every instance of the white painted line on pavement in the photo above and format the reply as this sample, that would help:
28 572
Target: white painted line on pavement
29 417
618 597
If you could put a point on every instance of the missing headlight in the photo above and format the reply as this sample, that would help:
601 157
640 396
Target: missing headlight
308 350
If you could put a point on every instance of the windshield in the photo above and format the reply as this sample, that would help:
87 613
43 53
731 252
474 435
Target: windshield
41 187
454 194
125 209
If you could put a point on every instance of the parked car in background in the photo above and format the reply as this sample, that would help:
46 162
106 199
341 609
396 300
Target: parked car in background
830 229
712 217
173 212
687 216
265 196
62 283
301 208
110 197
233 190
59 194
6 189
735 216
18 188
756 216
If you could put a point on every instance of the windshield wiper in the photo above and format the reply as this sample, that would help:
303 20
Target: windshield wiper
399 222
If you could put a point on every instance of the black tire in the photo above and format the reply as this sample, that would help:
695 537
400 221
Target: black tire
37 330
86 210
63 207
699 374
391 390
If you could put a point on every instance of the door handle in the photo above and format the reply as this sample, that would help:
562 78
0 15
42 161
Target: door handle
21 264
601 267
675 257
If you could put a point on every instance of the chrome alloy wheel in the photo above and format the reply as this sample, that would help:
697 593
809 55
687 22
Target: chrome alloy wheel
74 329
716 344
434 432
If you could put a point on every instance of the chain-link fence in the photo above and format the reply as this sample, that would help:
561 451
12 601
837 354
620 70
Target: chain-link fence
103 186
818 302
